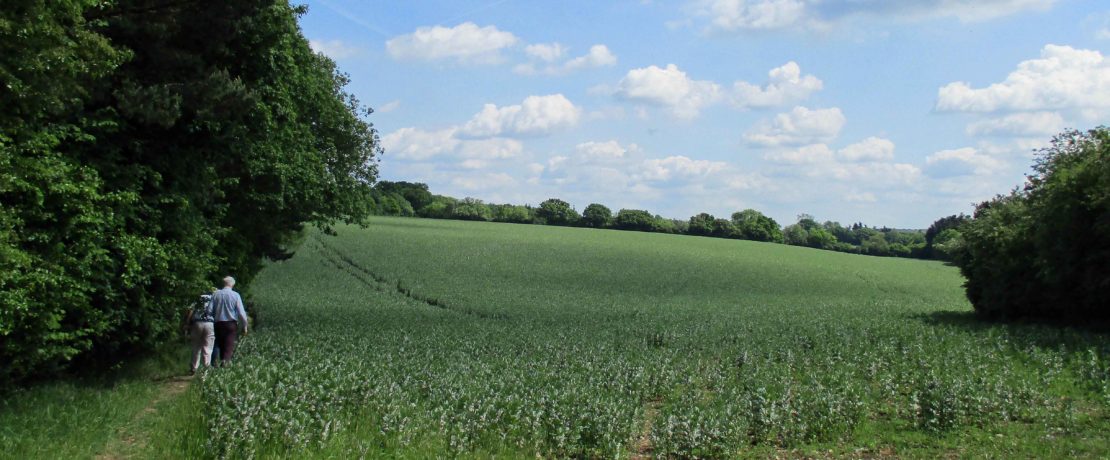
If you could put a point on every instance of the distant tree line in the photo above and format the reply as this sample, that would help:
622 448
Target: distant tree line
414 199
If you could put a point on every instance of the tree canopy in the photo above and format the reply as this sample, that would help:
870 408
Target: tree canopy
557 212
1043 251
597 216
140 163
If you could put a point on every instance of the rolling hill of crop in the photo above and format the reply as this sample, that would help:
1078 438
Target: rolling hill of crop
420 338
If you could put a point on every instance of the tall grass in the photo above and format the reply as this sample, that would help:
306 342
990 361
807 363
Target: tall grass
79 417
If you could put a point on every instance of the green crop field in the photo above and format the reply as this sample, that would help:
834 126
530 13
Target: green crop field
420 338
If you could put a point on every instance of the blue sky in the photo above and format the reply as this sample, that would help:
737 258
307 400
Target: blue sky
891 113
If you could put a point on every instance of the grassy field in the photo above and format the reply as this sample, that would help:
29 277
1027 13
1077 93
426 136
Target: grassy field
134 411
417 336
425 338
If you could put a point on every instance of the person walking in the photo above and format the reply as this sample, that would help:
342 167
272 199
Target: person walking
200 326
227 306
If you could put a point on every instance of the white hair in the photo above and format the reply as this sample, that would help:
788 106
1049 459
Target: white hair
229 281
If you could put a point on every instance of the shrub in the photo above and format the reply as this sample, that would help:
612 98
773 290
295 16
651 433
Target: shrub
1042 251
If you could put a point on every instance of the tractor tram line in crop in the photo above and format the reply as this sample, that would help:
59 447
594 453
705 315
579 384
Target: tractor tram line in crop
370 279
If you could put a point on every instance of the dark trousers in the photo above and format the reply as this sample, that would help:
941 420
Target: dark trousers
227 333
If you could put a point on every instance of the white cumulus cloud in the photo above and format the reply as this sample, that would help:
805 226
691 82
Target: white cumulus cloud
961 162
860 197
731 15
466 43
668 87
672 88
602 150
799 126
487 181
870 149
546 52
416 144
874 173
678 166
490 149
807 154
785 85
536 115
597 56
1062 78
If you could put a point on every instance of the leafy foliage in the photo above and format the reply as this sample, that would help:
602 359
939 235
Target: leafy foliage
634 219
55 215
554 211
512 213
701 224
1042 251
141 163
935 236
597 216
753 225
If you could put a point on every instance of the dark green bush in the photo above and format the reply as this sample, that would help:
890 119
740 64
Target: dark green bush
1044 251
634 219
139 164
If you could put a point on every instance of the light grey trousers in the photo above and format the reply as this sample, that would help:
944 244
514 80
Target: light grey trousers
204 336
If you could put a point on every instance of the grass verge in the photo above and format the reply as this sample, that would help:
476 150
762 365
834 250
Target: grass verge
103 416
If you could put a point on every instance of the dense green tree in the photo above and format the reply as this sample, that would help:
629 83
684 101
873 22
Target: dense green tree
723 228
680 226
875 244
554 211
138 164
391 204
1043 251
439 208
634 219
511 213
1001 281
947 244
807 232
795 235
701 224
820 238
753 225
807 222
843 234
415 193
899 250
597 216
938 227
56 218
471 209
660 224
